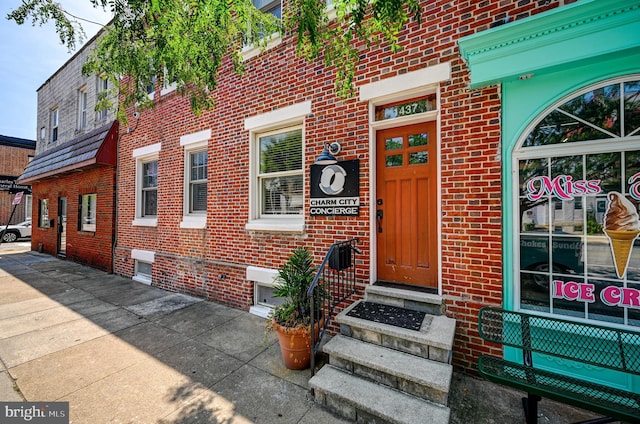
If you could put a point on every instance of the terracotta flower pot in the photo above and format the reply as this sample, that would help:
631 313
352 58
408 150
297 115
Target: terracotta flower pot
295 345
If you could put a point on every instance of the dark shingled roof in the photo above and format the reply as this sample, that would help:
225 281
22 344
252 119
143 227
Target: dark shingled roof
95 147
23 143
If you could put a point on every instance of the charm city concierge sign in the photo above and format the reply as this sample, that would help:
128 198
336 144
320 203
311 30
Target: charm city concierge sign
335 189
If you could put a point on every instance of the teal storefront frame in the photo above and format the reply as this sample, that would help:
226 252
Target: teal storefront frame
538 62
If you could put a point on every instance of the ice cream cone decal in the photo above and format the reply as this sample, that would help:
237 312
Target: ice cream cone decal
622 227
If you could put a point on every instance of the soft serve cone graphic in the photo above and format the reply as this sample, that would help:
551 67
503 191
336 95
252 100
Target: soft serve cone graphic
622 226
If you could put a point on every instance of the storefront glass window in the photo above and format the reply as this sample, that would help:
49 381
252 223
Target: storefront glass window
578 208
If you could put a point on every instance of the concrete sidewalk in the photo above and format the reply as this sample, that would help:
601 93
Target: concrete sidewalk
123 352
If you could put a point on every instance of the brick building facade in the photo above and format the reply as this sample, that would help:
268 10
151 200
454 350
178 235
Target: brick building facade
483 153
211 253
73 172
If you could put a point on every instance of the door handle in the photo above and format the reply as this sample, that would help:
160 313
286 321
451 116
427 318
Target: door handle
379 215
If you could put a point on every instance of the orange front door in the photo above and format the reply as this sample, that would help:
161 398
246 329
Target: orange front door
406 205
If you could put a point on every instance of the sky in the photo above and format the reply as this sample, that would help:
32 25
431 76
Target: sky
30 55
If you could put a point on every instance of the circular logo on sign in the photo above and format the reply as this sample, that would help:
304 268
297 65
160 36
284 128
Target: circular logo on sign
332 180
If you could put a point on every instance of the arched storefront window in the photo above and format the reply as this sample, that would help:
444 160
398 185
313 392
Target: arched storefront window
578 194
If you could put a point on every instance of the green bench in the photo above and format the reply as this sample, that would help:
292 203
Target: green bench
589 344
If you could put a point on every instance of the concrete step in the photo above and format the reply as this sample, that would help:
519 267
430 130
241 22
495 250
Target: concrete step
419 377
434 340
405 298
363 401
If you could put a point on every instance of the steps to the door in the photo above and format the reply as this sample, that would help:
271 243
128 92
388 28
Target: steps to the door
434 340
420 377
408 299
362 400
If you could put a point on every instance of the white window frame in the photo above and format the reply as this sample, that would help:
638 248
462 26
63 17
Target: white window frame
168 85
144 155
89 226
280 119
261 277
54 123
83 100
192 143
102 89
252 50
154 83
144 256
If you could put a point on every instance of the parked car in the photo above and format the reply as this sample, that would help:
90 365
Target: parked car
14 232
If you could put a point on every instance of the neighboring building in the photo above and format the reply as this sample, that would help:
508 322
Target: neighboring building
479 147
15 153
73 172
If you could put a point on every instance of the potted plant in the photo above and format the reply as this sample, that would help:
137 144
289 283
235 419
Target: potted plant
292 319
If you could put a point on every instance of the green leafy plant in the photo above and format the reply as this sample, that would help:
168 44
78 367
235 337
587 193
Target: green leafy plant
188 41
294 279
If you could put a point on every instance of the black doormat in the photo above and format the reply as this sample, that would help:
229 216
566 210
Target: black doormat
391 315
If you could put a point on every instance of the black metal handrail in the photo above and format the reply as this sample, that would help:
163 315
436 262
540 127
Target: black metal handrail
334 282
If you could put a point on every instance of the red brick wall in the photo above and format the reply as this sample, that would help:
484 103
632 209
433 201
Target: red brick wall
90 248
210 262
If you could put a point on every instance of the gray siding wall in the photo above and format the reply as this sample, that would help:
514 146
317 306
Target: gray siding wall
62 91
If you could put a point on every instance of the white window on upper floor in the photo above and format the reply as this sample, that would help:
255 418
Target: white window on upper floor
102 91
273 7
146 209
53 124
169 84
151 88
195 179
82 108
276 190
269 6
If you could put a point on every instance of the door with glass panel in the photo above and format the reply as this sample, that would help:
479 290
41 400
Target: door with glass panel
406 205
62 226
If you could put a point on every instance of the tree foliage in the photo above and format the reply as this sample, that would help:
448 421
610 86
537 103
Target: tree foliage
185 41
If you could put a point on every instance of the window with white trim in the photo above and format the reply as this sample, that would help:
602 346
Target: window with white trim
88 204
151 87
146 210
195 179
273 7
169 83
251 49
53 123
279 177
143 272
578 191
149 195
102 91
276 189
197 186
143 265
82 108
